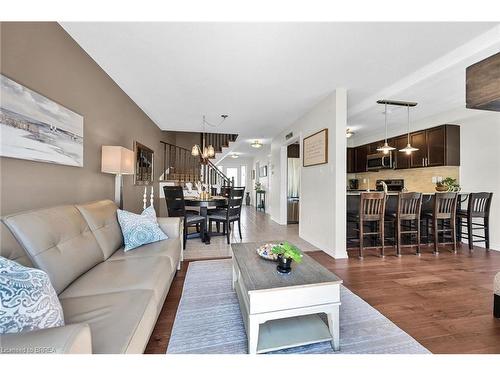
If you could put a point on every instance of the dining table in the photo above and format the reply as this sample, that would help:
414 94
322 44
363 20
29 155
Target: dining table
204 204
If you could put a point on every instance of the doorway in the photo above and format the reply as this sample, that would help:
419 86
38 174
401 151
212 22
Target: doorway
293 183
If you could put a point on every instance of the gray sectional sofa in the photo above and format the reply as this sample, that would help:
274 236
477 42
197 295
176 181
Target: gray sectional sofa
111 299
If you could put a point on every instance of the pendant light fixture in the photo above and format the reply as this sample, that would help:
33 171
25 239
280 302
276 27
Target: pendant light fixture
205 151
409 148
386 148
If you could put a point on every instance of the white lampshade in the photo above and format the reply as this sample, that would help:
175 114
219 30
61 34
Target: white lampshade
117 160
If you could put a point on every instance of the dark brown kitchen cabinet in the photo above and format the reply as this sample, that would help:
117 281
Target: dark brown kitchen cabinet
436 142
419 141
351 160
401 159
361 154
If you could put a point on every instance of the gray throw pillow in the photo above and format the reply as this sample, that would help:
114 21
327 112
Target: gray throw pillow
28 301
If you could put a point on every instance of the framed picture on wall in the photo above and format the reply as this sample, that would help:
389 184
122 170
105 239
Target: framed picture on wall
253 174
144 164
263 171
33 127
315 149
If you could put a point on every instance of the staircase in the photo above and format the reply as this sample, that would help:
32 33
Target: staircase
179 166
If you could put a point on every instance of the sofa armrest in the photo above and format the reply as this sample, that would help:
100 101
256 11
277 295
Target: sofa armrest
70 339
172 226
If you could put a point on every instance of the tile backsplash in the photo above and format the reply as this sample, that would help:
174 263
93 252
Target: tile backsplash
416 179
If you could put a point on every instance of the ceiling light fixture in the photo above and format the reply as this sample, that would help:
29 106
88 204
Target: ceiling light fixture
205 151
349 133
409 148
256 144
386 148
235 156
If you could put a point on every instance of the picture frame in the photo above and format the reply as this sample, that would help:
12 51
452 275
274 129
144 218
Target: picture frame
253 174
36 128
315 149
263 171
144 164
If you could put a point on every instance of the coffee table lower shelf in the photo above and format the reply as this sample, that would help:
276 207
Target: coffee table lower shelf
291 332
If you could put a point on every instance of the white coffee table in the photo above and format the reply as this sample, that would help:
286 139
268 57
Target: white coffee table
281 310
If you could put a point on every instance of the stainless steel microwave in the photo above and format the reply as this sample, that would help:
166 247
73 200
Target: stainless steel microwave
379 161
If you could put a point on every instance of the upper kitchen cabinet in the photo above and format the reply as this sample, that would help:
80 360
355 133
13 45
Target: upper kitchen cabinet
361 154
443 146
351 160
401 159
439 146
418 140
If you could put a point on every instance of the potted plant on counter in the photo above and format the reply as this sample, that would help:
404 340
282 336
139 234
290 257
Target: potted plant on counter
448 184
286 254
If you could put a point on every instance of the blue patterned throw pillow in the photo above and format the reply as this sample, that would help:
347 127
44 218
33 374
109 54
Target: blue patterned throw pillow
140 229
28 301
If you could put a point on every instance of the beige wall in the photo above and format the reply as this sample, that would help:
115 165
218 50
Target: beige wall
44 58
416 179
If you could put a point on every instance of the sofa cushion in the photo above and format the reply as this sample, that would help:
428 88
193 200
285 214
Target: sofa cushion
146 273
140 229
170 248
119 322
58 241
28 301
103 222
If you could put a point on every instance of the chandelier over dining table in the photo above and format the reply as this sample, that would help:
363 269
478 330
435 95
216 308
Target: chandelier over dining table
206 151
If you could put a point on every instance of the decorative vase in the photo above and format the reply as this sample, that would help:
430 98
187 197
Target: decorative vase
284 264
247 199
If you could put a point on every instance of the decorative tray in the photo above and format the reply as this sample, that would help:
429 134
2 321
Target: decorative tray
265 251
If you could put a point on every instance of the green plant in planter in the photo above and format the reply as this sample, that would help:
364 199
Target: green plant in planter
450 184
258 187
288 251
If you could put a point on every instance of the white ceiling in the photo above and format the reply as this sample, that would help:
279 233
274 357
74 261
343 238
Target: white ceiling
266 75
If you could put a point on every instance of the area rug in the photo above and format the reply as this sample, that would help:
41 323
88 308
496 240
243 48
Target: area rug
209 321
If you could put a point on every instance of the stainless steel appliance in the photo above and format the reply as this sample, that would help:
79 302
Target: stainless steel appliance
392 185
379 161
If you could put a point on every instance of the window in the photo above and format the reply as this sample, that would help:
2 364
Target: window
233 173
243 175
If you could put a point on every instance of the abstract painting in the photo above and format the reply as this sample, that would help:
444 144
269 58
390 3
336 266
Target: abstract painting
34 127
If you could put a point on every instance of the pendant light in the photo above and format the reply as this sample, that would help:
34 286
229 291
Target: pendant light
386 148
409 148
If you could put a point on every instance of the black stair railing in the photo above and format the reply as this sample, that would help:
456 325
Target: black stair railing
180 166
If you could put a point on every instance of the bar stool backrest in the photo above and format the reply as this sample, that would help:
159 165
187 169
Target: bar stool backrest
372 206
409 206
445 205
174 197
479 204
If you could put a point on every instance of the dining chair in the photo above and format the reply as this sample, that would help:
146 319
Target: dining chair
231 213
371 212
478 207
406 220
176 207
443 220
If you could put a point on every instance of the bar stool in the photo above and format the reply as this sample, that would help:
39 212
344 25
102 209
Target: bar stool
478 207
406 219
445 212
371 211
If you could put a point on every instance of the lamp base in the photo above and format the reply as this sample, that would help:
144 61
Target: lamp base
119 191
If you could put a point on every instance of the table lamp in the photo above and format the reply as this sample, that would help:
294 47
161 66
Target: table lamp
117 160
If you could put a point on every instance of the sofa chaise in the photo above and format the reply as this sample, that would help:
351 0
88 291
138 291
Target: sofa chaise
111 299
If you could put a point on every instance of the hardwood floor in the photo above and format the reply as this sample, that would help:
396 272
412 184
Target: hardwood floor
445 302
